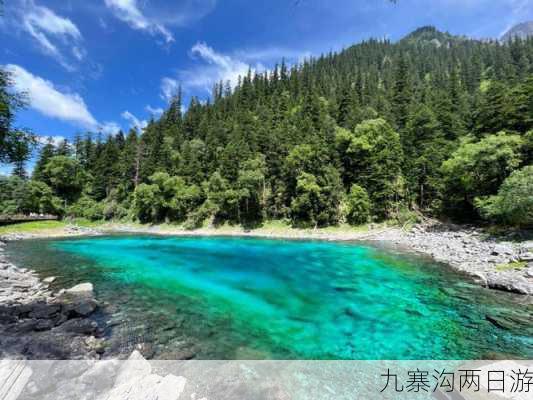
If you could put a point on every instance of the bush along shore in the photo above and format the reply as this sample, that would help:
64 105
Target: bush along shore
36 323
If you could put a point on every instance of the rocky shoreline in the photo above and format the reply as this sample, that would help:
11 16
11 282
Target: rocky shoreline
496 263
36 323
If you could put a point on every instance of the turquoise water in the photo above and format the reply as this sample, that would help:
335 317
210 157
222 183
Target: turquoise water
242 298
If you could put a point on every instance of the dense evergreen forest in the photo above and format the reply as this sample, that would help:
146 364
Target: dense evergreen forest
434 123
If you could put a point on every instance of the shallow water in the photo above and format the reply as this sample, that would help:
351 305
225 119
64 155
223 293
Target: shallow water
242 298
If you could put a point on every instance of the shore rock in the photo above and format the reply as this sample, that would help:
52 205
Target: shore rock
81 289
471 251
510 283
35 324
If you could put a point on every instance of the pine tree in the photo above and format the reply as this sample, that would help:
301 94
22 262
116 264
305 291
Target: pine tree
47 152
402 92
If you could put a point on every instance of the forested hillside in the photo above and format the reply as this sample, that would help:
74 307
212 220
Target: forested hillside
434 122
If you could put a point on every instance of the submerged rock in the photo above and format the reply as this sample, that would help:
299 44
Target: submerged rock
497 322
510 283
77 306
80 325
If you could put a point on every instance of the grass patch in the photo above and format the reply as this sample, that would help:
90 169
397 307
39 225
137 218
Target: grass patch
284 227
85 223
30 227
510 266
274 227
43 226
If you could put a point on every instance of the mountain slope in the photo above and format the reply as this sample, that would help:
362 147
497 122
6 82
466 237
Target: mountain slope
522 31
354 136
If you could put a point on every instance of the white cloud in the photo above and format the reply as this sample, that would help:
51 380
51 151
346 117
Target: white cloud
109 128
53 33
78 53
45 98
156 16
215 67
273 55
169 87
56 140
154 111
128 11
134 121
47 21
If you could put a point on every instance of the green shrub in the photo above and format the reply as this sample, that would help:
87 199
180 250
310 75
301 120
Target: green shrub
478 168
406 217
114 210
87 208
514 202
146 203
196 218
357 206
19 196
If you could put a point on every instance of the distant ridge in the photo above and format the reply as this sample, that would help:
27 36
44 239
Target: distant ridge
429 35
522 31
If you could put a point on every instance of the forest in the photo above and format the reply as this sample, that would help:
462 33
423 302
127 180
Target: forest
435 124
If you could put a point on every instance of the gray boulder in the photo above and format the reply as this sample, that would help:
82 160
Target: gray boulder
81 289
510 283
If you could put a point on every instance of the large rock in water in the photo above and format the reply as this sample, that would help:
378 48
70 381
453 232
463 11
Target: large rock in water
78 301
509 283
81 289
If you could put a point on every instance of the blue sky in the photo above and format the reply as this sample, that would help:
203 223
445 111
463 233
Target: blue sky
111 64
